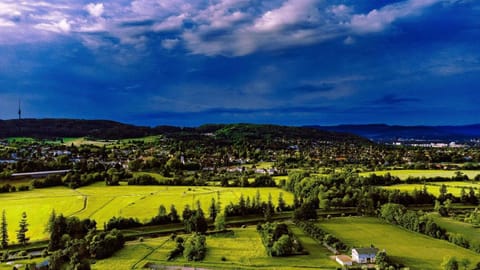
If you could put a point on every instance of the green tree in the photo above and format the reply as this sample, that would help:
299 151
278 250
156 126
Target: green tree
199 222
213 211
392 212
220 222
465 262
4 228
443 192
282 205
162 211
22 230
283 246
448 205
51 222
186 217
174 218
381 259
450 263
195 247
268 209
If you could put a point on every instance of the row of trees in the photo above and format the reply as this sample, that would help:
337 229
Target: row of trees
256 206
5 188
22 238
78 179
420 222
320 235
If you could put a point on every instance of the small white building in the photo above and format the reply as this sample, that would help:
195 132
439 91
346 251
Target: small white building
344 260
364 255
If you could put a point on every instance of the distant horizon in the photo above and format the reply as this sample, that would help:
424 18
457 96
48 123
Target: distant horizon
254 123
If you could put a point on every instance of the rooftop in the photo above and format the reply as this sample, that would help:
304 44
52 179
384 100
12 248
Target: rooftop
368 250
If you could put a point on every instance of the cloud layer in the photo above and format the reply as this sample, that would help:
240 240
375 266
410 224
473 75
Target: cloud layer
280 61
221 27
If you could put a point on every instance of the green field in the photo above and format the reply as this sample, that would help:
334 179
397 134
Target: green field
454 187
454 226
85 141
404 174
102 203
243 250
415 250
160 178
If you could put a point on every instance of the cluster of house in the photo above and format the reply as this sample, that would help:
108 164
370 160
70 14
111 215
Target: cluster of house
359 256
430 144
270 171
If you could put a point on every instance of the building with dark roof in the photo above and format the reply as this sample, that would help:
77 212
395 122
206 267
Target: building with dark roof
364 255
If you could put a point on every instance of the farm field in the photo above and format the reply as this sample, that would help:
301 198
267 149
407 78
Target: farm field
404 174
260 165
101 202
415 250
243 250
454 187
434 190
454 226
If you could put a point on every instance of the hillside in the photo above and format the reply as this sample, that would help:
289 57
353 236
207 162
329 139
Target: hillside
104 129
51 128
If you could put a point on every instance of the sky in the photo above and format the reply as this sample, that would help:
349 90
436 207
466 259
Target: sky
290 62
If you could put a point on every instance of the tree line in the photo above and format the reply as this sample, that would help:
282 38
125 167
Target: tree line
418 221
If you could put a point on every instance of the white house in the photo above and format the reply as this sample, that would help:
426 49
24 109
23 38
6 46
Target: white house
364 255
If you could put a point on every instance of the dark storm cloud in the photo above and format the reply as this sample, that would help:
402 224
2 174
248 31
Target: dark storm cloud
392 99
309 88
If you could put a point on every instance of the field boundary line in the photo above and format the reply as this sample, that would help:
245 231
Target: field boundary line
101 207
85 200
150 253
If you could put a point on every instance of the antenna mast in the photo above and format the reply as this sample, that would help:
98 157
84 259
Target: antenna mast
19 110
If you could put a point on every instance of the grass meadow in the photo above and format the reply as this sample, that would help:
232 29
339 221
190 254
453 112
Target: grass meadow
243 250
455 226
404 174
415 250
454 187
101 202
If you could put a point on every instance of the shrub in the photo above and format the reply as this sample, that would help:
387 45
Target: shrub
195 248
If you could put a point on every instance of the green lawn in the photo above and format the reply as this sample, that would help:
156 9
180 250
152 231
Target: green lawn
404 174
454 226
260 165
415 250
38 205
85 141
157 176
243 250
104 202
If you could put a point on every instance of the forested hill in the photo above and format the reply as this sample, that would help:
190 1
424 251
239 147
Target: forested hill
51 128
250 132
104 129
